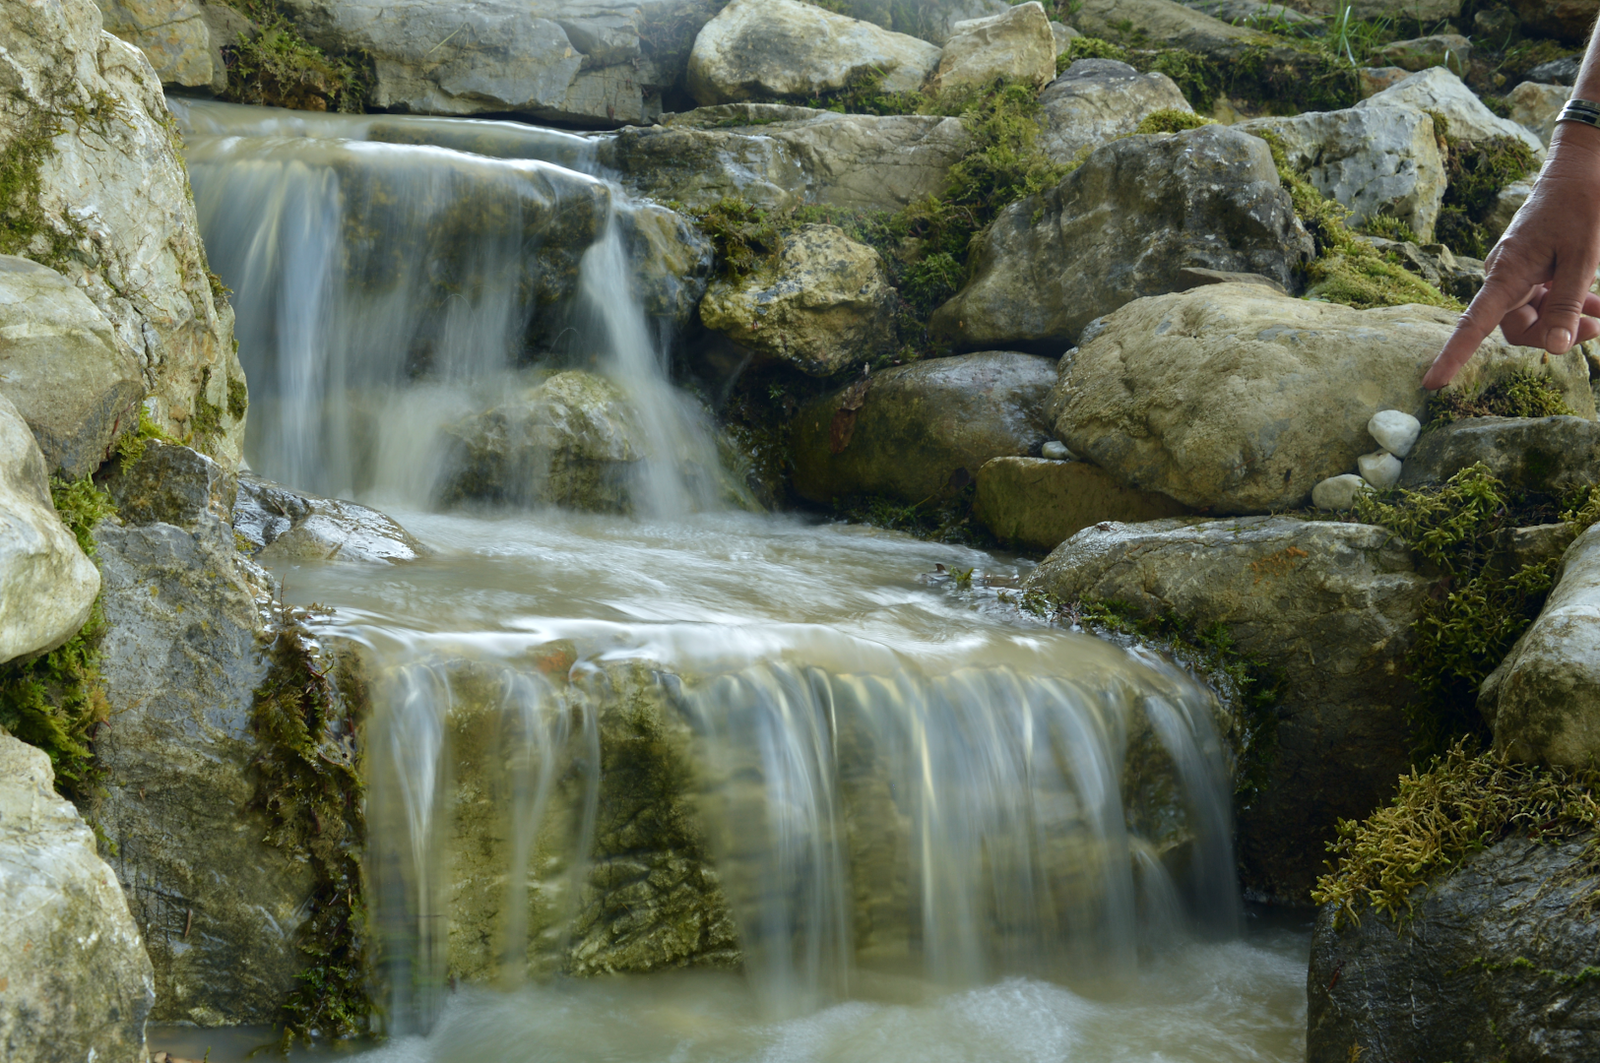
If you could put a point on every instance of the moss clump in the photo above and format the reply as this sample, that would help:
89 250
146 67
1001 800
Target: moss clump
1517 394
1170 121
1476 172
130 448
1089 48
308 782
1388 227
1464 801
743 237
55 701
277 67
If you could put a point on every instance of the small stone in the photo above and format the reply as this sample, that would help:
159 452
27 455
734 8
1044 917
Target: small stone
1056 450
1395 431
1338 492
1381 469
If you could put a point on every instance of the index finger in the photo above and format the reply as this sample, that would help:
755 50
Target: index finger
1493 302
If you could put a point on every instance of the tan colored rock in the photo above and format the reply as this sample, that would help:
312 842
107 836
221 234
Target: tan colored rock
825 305
1234 399
1449 50
1098 100
1162 23
1536 106
1374 79
1018 45
1566 20
773 49
1039 504
172 34
77 982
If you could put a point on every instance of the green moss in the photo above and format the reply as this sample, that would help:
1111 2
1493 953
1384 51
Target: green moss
1388 227
55 701
238 398
1170 121
1462 802
1089 48
743 237
309 784
130 447
276 67
1517 394
946 521
1476 172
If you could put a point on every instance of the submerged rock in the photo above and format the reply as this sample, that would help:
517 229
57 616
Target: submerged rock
1543 702
1550 455
282 524
1038 503
921 431
114 215
826 305
1329 605
47 585
1017 44
776 49
77 982
1123 225
1098 100
1206 395
1494 961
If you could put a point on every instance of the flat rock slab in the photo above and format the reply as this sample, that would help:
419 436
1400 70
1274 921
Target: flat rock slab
1551 455
282 524
1038 503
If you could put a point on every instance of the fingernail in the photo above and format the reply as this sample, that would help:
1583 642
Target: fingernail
1559 341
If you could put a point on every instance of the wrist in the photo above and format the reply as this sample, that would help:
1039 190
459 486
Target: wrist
1577 142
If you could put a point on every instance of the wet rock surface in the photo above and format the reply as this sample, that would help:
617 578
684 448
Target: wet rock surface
1037 503
281 524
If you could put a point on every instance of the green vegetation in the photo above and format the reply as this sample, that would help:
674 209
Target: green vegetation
308 782
1465 800
1517 394
130 447
276 67
1476 171
1388 227
946 521
55 701
743 237
1170 121
25 229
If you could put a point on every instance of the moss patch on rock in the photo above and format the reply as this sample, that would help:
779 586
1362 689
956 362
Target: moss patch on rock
1476 172
1517 394
274 66
25 228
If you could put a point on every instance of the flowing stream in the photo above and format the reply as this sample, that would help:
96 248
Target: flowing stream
875 810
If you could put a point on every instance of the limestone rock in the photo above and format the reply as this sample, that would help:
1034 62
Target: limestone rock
77 981
771 49
1262 16
114 214
1329 604
47 585
171 33
1338 492
183 656
1437 89
61 366
672 261
923 430
1039 504
1381 469
1449 50
1235 399
1506 204
698 167
1395 431
1373 160
571 440
1017 44
224 26
1121 226
1550 455
827 304
1099 100
1162 24
172 485
1562 71
1064 36
1566 20
1536 107
1488 966
281 524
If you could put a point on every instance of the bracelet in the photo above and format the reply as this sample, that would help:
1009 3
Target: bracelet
1585 111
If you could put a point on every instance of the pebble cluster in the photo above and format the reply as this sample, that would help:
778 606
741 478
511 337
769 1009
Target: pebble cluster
1395 433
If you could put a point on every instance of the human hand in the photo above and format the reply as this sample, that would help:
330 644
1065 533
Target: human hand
1538 276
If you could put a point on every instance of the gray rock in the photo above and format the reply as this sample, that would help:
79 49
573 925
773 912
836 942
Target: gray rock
184 654
1395 431
775 49
922 430
1064 36
1338 492
825 305
1540 542
172 484
1507 202
77 982
1039 503
281 524
1329 604
1490 965
1543 702
1552 455
1381 469
1205 395
1375 161
1437 89
115 217
1562 71
224 26
1449 50
1121 226
172 34
1536 106
1162 23
61 366
1098 100
1017 44
1055 450
1421 10
47 585
1262 16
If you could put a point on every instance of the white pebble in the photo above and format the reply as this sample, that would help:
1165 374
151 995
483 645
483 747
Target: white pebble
1381 469
1395 431
1055 450
1338 492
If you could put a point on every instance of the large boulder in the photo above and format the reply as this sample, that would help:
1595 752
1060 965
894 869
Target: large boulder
1123 225
47 585
1440 91
776 49
826 304
921 431
1039 503
1235 399
1494 961
1017 44
1099 100
172 34
1374 160
111 211
281 524
1548 455
1329 605
779 156
77 983
1543 702
62 367
1163 23
1566 20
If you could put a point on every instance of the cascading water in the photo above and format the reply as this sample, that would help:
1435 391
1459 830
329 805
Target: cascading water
708 738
